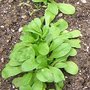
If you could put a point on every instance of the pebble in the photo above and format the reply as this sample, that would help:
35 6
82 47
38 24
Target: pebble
60 15
87 49
12 30
78 2
23 16
2 60
85 88
13 86
66 77
20 29
2 26
83 1
8 41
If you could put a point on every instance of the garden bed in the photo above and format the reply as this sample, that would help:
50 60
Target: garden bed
13 15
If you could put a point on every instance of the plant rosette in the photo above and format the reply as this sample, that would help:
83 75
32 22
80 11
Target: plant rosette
43 52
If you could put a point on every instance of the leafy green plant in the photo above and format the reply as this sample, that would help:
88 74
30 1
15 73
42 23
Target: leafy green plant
40 54
53 9
43 52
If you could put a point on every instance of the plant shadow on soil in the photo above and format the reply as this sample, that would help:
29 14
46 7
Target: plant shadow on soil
13 16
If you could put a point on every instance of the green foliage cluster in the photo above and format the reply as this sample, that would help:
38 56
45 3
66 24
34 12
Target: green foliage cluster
43 51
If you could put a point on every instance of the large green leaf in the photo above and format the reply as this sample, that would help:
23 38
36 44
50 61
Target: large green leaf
50 13
34 26
45 75
71 68
54 32
29 65
61 24
19 52
43 48
66 8
61 50
74 43
27 37
72 34
57 74
14 63
9 71
24 80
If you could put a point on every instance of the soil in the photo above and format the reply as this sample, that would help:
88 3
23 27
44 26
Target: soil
14 14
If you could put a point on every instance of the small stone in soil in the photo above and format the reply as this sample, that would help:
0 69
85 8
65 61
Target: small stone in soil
83 1
78 2
2 60
2 26
20 29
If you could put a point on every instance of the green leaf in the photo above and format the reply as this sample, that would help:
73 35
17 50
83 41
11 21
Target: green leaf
72 52
61 84
34 26
35 47
75 33
50 13
44 75
45 31
54 32
40 1
74 43
43 48
24 80
56 42
61 24
42 61
57 87
29 65
14 63
60 65
72 34
61 59
37 85
48 17
66 8
71 68
27 87
9 71
61 50
19 52
57 74
27 37
48 38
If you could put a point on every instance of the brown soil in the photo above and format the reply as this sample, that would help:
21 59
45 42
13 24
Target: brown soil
13 16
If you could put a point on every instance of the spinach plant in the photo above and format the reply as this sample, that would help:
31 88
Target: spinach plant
43 51
53 9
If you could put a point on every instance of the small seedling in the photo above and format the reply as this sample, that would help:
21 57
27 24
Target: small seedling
43 51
